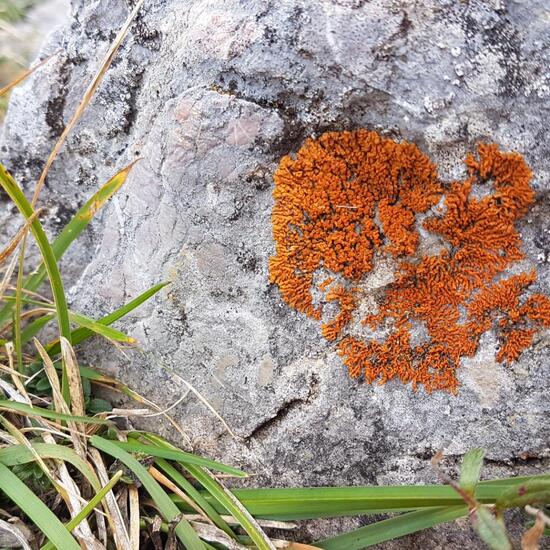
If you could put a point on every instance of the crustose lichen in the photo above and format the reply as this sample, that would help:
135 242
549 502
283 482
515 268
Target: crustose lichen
349 197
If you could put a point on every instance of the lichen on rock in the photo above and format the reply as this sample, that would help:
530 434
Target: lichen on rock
350 197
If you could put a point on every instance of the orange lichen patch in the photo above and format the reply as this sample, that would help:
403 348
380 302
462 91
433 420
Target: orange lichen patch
325 204
350 196
537 309
398 224
516 341
345 299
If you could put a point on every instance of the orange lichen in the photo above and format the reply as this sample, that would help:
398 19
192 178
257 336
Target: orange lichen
345 299
348 197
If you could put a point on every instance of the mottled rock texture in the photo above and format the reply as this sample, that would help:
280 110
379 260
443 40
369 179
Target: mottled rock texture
211 94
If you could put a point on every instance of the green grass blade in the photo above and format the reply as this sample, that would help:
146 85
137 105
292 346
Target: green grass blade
83 321
101 329
134 446
81 334
72 230
36 510
392 528
194 494
22 408
20 454
88 509
17 340
243 517
168 509
322 502
17 196
512 481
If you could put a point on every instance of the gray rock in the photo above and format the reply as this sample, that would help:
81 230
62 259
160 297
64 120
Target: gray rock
211 95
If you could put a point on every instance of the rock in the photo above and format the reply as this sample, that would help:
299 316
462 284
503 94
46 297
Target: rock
211 95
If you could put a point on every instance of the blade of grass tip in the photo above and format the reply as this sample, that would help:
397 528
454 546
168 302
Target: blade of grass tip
76 318
24 75
101 329
87 510
168 509
232 505
58 292
81 334
111 507
393 528
36 510
209 510
211 533
88 94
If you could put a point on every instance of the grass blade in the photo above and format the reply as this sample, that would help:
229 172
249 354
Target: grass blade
134 446
72 231
81 334
320 502
232 504
197 497
19 454
36 510
490 528
16 195
393 528
88 509
58 292
167 508
80 221
100 329
27 410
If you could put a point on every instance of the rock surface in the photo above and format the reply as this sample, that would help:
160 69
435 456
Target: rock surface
211 94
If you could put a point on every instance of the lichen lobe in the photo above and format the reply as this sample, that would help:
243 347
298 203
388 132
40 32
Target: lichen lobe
349 197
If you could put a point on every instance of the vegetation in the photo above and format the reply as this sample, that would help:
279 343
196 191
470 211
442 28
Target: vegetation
14 49
72 475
